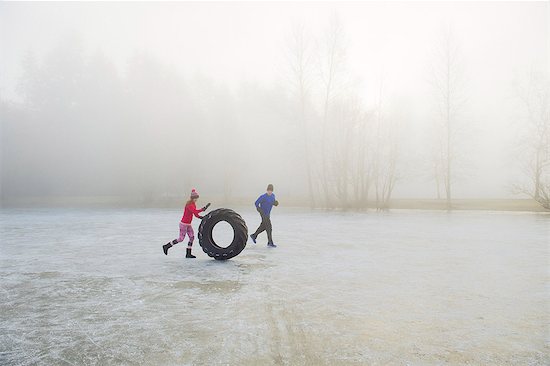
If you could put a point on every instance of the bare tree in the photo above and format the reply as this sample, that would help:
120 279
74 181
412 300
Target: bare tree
535 97
384 153
300 59
377 159
348 116
447 81
363 168
437 160
331 63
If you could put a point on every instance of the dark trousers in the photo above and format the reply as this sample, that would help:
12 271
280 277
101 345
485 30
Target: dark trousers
264 226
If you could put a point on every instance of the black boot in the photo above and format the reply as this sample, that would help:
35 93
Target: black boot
189 255
165 248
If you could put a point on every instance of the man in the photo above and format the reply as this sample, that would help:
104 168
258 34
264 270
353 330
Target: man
263 204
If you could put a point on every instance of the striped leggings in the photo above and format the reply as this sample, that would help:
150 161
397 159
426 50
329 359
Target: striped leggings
185 229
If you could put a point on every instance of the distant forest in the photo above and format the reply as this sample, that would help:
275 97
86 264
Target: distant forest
84 128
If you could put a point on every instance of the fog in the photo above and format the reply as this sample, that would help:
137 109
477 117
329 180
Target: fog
336 104
376 122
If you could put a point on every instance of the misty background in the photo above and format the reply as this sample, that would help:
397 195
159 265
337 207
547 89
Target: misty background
336 104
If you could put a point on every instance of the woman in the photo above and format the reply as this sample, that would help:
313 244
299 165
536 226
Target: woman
185 224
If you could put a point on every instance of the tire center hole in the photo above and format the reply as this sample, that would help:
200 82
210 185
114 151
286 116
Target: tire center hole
223 234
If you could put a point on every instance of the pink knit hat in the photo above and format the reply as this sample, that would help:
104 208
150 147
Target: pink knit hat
194 194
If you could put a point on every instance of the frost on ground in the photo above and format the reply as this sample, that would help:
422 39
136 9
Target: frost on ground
404 287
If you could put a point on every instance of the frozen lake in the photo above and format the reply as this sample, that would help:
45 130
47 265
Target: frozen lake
92 286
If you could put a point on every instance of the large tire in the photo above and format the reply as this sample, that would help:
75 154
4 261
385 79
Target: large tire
240 232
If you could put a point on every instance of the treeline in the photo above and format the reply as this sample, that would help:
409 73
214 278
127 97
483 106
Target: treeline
352 152
357 154
148 133
83 128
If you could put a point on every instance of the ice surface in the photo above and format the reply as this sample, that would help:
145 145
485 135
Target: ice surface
405 287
